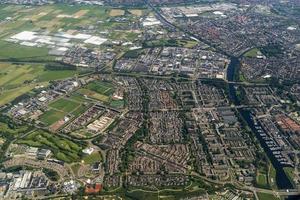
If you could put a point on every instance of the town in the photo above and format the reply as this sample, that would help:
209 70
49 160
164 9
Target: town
149 99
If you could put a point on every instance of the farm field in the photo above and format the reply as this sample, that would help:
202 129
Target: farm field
55 18
16 80
9 95
62 149
16 52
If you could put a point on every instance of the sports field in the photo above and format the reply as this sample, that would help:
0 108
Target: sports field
51 116
64 105
116 12
99 90
61 108
261 180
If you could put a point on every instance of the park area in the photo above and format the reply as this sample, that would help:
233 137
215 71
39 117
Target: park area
63 149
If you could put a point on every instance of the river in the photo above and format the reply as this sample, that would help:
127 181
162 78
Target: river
281 178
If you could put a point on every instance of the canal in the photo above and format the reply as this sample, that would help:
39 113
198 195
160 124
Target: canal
282 180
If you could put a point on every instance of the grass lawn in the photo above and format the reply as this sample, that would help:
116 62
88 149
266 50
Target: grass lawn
16 80
14 75
79 110
10 50
171 43
77 97
94 95
101 87
9 95
56 75
265 196
117 103
261 180
289 171
94 157
64 105
62 148
272 177
251 53
51 116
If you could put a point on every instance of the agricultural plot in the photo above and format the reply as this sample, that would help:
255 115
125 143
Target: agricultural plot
7 96
62 148
16 52
16 80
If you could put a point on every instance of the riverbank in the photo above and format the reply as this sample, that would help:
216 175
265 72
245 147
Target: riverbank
282 179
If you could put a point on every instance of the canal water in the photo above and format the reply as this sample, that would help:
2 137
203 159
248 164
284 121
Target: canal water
281 178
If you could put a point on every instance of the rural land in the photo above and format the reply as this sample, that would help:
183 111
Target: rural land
150 99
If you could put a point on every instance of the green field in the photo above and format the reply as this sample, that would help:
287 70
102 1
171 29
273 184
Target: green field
16 52
62 17
62 148
117 103
51 116
289 171
251 53
171 43
94 157
265 196
16 80
64 105
15 75
261 180
93 95
79 110
272 177
7 96
99 90
101 87
12 131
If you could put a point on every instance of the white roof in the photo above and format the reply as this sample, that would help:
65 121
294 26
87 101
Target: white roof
95 40
25 35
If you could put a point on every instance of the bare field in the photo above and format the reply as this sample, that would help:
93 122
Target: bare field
116 12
